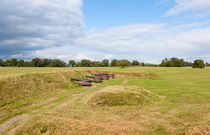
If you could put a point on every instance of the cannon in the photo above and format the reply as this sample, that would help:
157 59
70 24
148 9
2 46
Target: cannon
96 79
76 79
103 76
83 82
110 75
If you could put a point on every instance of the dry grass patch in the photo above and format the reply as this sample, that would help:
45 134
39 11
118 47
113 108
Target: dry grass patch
65 124
201 129
30 85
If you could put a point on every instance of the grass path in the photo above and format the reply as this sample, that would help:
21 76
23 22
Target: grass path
10 122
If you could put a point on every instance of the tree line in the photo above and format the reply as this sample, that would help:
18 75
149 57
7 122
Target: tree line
179 62
38 62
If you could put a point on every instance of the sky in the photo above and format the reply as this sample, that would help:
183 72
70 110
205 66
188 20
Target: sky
143 30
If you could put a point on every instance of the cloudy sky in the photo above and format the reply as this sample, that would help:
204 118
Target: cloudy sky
144 30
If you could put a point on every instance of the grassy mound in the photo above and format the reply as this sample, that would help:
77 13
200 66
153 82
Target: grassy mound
30 85
118 96
116 99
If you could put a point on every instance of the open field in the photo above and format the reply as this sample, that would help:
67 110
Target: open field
10 71
141 101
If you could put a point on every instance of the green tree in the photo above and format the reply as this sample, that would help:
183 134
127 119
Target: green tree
123 63
188 64
177 62
72 63
166 63
7 63
113 63
57 63
86 63
198 64
1 63
28 64
46 62
105 63
13 62
37 62
172 62
135 63
79 64
96 63
21 63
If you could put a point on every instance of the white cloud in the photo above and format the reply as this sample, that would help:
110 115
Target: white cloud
30 25
198 6
64 53
150 42
144 42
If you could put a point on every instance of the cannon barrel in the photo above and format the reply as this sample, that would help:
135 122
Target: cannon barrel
107 74
85 83
103 76
87 80
76 79
94 77
110 75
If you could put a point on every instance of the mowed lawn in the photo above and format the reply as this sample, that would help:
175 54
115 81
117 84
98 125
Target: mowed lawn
180 104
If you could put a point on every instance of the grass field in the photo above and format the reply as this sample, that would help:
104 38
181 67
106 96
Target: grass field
174 101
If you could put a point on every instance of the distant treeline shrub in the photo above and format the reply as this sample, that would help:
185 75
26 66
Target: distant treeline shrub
38 62
198 64
176 62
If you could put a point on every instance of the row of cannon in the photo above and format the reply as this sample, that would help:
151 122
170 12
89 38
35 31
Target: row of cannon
98 78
